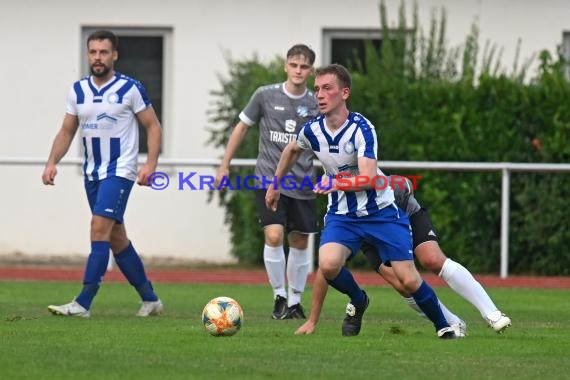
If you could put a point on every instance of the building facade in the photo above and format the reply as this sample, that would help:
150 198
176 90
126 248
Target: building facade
184 43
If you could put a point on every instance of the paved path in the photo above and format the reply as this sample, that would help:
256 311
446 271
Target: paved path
256 276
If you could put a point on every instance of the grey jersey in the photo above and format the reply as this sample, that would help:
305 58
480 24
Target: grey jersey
405 196
280 116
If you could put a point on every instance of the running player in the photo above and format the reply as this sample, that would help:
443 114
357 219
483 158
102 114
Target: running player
346 141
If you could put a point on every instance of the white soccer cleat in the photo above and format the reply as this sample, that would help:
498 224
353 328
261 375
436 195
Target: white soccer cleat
498 321
446 333
150 308
460 329
72 309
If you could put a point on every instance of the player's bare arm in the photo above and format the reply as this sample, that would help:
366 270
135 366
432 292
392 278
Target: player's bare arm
149 121
320 289
290 155
234 142
60 146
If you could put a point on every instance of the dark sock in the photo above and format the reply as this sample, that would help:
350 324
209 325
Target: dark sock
94 271
129 262
426 299
344 283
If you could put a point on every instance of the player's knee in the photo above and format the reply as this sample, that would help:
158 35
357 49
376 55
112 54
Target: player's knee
101 228
298 240
118 243
411 285
329 268
430 256
326 265
410 280
433 263
273 238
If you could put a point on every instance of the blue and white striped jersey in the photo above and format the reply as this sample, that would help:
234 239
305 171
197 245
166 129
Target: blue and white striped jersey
339 152
108 123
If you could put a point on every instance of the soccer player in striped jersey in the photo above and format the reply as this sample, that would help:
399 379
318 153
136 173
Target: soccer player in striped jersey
280 110
430 255
358 210
106 107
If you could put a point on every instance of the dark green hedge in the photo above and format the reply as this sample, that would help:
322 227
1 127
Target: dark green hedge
431 103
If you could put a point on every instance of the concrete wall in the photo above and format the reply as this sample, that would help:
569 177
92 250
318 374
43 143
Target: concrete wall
41 57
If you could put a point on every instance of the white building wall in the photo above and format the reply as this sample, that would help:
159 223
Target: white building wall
41 57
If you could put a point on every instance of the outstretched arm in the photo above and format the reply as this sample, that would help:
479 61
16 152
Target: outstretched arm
320 288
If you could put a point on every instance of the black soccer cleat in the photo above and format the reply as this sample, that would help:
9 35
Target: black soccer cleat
295 312
280 308
353 320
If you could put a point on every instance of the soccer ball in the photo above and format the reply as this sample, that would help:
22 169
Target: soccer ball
222 316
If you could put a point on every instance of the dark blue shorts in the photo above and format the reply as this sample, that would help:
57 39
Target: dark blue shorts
108 197
388 230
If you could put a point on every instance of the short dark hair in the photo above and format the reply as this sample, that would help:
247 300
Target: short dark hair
303 50
337 70
104 35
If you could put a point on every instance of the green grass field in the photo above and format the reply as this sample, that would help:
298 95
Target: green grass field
394 344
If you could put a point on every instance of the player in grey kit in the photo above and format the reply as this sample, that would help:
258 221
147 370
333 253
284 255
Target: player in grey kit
430 255
280 110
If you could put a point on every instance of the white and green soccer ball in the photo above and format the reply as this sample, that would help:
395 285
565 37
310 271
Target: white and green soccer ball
222 316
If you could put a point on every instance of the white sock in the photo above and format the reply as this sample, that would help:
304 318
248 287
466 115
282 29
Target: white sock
463 283
412 303
274 259
449 316
298 264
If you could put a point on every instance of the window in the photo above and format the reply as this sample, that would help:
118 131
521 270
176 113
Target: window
566 53
346 46
142 55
